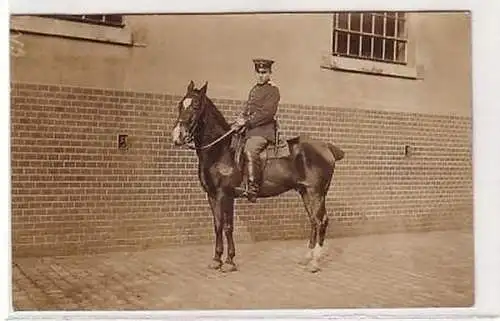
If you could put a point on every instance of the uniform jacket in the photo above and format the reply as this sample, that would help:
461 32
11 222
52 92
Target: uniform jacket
260 110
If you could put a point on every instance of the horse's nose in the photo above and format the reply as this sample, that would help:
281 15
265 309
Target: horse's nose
176 135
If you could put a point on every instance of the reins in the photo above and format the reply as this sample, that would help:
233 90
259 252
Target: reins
212 143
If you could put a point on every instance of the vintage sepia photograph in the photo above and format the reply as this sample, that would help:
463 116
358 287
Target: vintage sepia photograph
299 160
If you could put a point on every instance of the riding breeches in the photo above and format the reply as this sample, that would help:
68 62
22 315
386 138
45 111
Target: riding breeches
254 146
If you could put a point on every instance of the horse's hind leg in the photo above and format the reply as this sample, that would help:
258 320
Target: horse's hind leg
314 203
312 237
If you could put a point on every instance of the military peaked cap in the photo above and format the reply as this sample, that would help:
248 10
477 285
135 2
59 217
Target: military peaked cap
262 64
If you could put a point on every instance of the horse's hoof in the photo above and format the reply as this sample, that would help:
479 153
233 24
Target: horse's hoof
228 267
304 261
215 265
313 268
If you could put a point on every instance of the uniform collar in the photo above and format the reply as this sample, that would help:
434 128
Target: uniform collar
267 83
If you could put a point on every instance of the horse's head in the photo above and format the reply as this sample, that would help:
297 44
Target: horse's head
190 110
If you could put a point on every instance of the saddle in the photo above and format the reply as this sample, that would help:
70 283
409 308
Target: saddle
276 149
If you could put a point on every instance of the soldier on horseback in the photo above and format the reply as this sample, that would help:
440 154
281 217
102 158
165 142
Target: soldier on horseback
308 169
258 122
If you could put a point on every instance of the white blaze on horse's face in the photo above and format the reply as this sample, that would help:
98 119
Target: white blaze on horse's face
186 103
178 134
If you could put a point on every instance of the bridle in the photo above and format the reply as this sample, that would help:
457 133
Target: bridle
190 141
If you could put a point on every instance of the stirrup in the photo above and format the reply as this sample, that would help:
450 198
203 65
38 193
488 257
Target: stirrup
243 192
252 198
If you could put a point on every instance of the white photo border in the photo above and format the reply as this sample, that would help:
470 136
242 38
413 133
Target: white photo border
486 152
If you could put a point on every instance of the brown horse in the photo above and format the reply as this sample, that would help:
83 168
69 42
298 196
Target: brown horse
308 169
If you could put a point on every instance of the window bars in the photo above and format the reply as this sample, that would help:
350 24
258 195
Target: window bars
114 20
379 36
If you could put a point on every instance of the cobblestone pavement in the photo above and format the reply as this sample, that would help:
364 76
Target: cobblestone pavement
432 269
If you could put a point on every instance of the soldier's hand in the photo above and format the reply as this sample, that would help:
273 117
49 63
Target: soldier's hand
240 121
238 124
235 127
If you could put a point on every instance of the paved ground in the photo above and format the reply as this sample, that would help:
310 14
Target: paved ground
381 271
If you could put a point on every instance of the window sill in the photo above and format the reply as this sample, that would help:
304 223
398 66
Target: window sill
369 67
72 29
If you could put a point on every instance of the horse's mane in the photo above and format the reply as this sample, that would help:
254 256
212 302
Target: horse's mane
216 114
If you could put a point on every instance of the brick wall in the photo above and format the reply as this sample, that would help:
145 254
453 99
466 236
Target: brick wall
74 191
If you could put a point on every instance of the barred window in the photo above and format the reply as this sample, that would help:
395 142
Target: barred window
114 20
379 36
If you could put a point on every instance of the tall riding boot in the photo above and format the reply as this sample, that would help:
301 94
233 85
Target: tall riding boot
254 171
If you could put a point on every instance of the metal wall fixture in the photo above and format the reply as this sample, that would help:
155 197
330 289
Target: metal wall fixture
122 141
408 150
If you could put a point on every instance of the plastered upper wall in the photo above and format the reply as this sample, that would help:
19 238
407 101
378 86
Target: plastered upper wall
219 49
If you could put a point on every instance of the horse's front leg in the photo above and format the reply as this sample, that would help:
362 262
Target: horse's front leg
228 227
218 218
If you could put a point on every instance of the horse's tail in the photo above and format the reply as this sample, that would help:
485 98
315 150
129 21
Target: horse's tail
338 153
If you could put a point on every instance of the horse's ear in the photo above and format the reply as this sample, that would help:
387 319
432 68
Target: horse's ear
203 89
190 87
